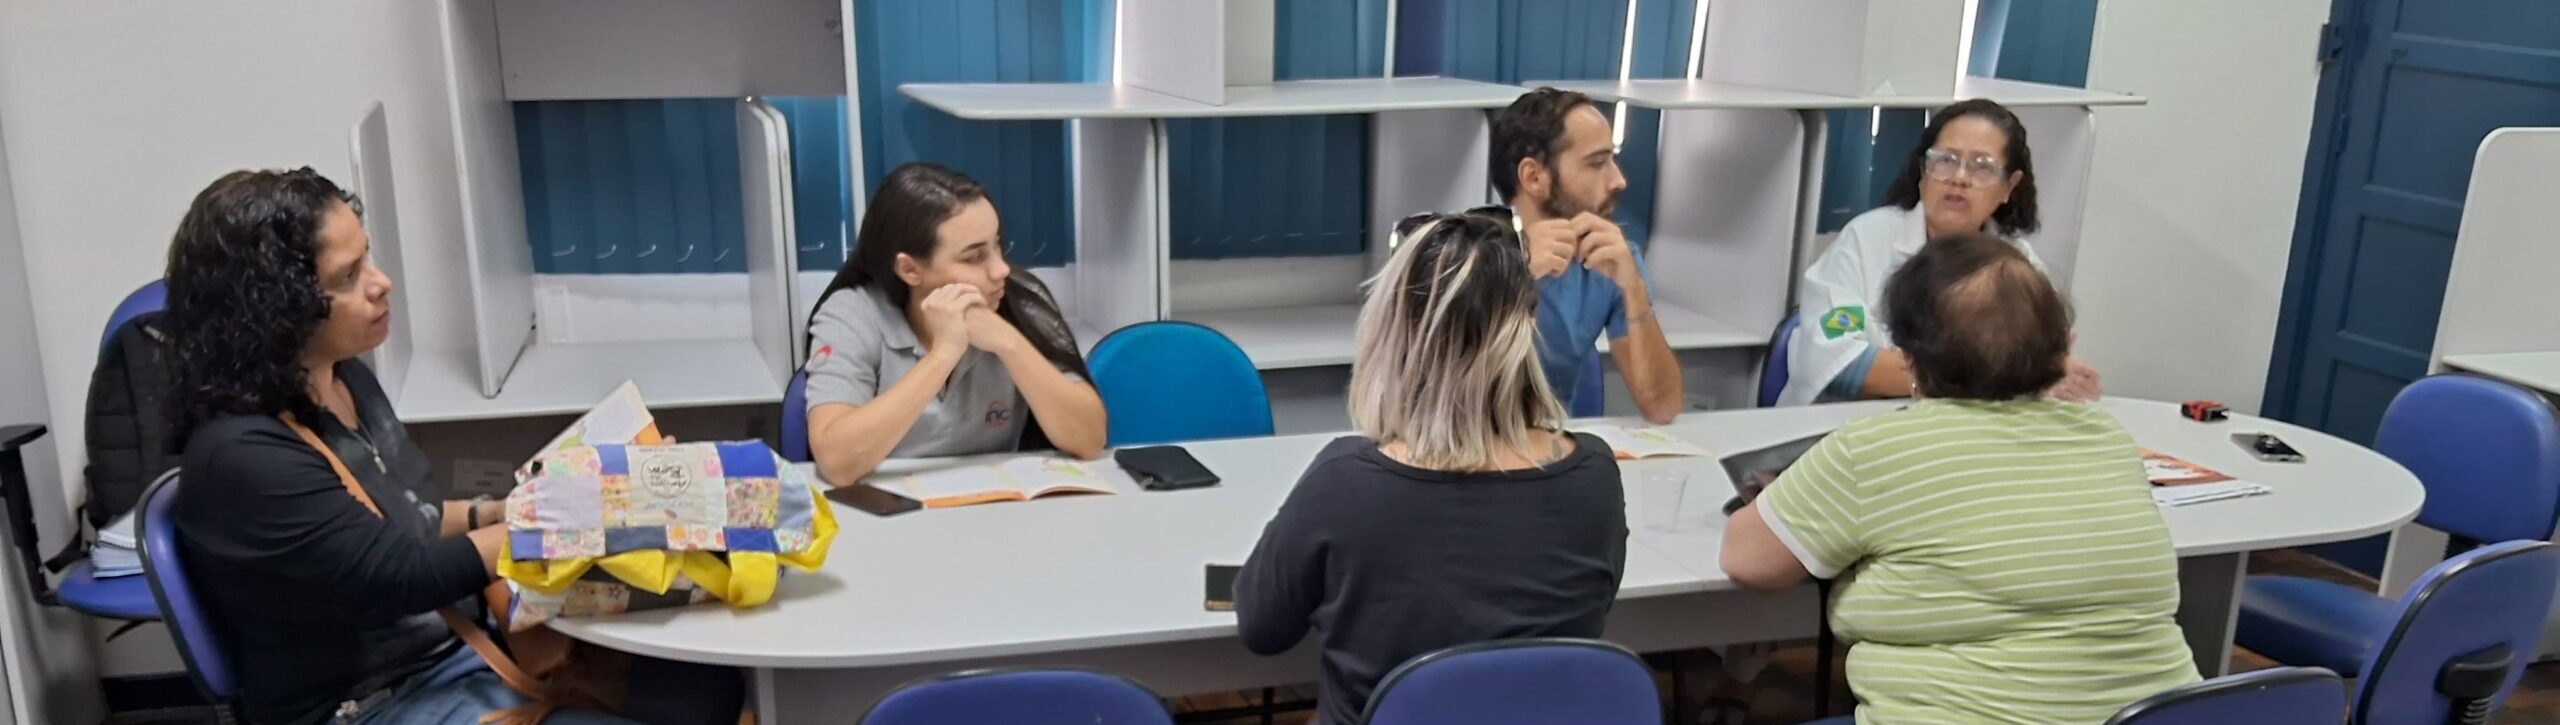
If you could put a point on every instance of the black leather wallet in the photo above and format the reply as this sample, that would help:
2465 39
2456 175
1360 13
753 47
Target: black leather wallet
1164 468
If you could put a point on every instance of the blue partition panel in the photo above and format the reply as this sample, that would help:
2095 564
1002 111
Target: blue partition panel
821 180
1288 186
1510 41
2045 41
1023 163
631 187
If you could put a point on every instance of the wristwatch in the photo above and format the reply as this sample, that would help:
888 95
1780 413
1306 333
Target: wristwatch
471 512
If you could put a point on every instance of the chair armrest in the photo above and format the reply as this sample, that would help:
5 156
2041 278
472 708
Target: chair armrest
14 436
21 517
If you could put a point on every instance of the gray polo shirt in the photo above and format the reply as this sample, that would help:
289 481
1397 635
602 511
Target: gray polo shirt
860 344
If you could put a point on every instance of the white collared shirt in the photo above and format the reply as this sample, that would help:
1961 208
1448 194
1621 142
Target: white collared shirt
1841 298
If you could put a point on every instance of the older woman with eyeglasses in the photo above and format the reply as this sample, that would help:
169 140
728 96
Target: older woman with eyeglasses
1972 175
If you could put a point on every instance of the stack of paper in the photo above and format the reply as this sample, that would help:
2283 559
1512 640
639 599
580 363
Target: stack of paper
115 554
621 419
2195 493
2168 470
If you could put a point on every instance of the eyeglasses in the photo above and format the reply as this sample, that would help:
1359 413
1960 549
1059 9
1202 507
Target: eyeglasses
1406 226
1943 165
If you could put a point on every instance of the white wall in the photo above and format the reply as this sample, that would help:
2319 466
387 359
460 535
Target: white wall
50 677
2191 201
118 113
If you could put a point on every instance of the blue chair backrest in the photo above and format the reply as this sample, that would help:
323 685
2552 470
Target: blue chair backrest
1175 381
2487 452
795 418
152 297
1773 369
164 568
1519 682
1590 391
2279 696
1020 697
2496 595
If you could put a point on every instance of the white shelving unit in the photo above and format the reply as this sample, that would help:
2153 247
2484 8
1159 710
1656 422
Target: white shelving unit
1429 138
1741 148
2492 323
498 52
1287 337
1741 156
555 379
2503 262
2536 370
1056 101
1741 161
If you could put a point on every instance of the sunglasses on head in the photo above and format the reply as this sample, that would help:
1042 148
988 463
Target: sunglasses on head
1407 226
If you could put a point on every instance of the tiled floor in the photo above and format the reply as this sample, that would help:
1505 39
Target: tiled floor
1783 695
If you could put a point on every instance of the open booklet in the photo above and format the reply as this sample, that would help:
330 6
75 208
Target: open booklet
1634 443
2168 470
621 418
2179 482
1020 479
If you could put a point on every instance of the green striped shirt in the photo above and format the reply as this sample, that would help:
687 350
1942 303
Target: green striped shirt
2004 562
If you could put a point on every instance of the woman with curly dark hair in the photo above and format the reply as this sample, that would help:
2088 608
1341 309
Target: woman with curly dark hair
1972 173
328 607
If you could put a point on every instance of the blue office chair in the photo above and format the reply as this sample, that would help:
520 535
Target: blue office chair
1773 369
795 418
2280 696
80 590
152 297
2461 638
164 571
1172 381
122 598
2488 454
1519 682
1020 697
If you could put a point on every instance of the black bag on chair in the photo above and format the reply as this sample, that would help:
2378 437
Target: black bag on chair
128 428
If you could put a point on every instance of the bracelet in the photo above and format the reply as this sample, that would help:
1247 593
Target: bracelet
1641 319
471 512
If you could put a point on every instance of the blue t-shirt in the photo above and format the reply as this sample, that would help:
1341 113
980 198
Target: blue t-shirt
1574 308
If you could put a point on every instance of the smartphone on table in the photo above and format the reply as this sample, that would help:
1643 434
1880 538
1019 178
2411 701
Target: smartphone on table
2267 447
1221 594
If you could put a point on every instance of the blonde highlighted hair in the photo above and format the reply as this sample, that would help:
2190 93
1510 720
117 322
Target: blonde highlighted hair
1446 357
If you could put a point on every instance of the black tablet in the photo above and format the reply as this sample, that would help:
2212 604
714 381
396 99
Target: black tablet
1755 469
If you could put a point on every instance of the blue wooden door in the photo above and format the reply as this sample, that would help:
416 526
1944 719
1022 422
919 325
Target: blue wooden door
2411 88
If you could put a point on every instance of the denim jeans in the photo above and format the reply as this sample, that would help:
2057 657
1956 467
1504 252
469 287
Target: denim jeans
460 689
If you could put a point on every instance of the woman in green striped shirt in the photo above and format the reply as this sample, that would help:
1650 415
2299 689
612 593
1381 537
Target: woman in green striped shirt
1998 554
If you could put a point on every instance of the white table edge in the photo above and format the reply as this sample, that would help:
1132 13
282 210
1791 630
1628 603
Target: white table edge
1703 582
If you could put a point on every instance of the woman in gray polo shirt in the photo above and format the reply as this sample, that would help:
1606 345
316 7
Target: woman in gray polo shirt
928 343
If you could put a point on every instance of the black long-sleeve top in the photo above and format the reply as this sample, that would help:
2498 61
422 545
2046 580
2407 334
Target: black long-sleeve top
1387 561
319 601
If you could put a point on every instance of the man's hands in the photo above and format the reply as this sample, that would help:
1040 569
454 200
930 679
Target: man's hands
1590 239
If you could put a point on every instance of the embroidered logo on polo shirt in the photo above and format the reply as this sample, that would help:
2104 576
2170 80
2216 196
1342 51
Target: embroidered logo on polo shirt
1843 320
999 413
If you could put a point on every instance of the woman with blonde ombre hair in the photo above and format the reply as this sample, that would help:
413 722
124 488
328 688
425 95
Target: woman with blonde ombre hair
1463 511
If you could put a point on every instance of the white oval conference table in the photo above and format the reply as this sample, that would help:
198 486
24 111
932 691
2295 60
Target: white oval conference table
1117 582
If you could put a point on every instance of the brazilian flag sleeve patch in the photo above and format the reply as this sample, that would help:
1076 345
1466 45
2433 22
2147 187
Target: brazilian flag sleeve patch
1843 320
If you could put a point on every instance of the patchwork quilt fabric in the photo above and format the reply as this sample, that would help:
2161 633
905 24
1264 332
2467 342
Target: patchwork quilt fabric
610 528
